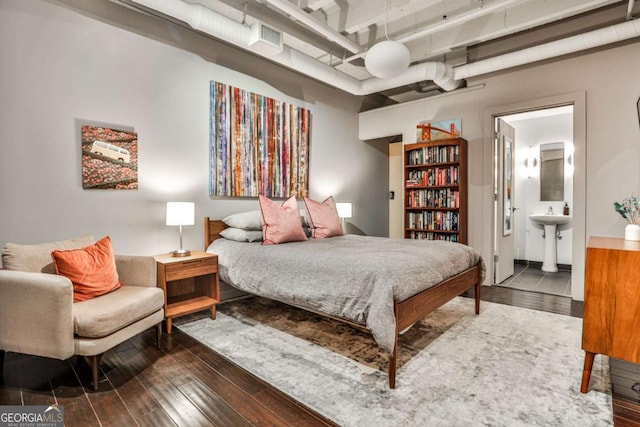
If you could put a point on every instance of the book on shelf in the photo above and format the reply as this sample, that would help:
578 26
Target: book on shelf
435 192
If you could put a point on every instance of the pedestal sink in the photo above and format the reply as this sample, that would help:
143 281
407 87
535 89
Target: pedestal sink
550 223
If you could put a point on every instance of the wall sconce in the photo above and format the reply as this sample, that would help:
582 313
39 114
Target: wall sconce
345 210
180 213
569 147
530 162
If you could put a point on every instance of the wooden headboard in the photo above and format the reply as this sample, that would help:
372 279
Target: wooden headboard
212 229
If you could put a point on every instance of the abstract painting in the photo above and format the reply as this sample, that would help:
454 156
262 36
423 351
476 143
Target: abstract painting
109 158
257 145
430 130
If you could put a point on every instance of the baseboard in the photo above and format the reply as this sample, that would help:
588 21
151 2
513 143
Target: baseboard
538 264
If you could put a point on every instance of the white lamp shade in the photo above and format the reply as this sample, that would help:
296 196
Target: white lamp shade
387 59
180 213
345 209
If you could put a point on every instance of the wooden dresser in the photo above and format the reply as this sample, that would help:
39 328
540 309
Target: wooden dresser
611 302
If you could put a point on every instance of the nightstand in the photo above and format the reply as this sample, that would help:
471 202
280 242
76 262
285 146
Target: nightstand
189 283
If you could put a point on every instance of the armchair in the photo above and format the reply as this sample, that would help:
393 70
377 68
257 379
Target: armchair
38 315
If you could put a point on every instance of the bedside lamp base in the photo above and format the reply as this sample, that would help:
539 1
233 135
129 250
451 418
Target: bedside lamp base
181 252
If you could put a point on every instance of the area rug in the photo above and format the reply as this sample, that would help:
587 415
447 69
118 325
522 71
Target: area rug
507 366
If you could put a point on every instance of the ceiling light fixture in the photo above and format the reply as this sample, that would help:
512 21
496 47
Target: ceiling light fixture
387 58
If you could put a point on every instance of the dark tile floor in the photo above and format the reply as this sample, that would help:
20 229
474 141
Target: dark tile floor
532 278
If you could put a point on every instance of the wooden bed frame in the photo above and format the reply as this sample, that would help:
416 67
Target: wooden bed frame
406 312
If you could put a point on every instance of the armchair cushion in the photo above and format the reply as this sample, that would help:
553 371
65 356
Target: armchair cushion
104 315
91 269
37 258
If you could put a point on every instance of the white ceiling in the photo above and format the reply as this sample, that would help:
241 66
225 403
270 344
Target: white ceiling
337 33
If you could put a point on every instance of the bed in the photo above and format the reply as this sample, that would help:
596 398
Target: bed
378 283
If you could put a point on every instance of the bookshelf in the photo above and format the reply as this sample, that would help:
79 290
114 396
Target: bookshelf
435 190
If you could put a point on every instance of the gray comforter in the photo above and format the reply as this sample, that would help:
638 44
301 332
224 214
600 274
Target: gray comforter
353 277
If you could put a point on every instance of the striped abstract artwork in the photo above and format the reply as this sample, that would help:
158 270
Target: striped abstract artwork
257 145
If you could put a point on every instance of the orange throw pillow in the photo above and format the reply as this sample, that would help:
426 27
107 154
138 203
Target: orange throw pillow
91 269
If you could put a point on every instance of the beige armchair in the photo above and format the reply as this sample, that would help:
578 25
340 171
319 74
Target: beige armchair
38 315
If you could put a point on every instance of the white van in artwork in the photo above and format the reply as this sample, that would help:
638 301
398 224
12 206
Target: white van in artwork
111 151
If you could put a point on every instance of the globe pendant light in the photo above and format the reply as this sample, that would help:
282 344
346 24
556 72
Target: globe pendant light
387 58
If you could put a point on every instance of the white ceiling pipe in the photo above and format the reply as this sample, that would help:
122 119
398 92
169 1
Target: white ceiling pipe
458 20
630 9
317 26
212 23
203 19
612 34
440 73
450 22
224 28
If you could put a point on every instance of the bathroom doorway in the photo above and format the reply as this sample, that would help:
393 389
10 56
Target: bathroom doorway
533 175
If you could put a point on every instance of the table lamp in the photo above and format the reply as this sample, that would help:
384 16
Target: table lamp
180 213
345 210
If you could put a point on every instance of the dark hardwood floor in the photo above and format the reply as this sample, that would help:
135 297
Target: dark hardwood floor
186 384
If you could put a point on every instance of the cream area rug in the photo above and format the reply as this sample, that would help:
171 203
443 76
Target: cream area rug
508 366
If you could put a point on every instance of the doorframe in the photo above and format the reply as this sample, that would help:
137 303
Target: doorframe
578 100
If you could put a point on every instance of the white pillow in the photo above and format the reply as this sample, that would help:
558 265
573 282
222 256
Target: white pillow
240 235
251 220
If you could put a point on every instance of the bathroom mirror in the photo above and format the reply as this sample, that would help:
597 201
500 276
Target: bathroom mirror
552 171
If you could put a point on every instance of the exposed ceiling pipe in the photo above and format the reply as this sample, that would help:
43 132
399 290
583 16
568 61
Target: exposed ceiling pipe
210 22
443 25
460 19
603 36
203 19
441 74
317 26
219 26
630 10
455 21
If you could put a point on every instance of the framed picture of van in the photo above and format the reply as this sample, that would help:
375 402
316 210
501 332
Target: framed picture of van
109 158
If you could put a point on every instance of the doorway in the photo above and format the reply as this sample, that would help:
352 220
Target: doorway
533 175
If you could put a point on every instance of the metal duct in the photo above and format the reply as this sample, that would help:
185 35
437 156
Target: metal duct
203 19
219 26
615 33
440 73
319 27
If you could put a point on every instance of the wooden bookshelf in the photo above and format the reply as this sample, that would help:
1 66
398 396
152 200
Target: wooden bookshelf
435 190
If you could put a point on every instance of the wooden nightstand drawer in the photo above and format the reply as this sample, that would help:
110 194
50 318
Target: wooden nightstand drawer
190 284
191 268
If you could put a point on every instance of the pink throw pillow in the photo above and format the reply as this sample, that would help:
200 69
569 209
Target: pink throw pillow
324 218
280 224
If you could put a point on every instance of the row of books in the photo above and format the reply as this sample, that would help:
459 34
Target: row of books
440 198
433 176
427 235
428 155
434 220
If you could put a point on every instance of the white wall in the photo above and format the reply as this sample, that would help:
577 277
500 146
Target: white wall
59 68
612 134
396 205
